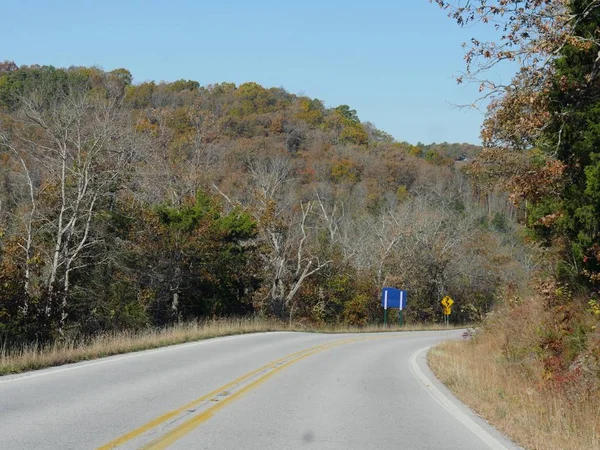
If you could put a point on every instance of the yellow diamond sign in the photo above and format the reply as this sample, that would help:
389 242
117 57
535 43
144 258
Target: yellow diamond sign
447 302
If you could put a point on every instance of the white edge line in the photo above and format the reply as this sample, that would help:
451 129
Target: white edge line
113 358
447 404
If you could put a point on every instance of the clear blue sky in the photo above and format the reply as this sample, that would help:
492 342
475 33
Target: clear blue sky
391 60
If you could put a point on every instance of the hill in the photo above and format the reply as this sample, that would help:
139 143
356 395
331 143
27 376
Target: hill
125 206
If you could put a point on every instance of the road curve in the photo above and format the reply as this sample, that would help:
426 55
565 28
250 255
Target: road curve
259 391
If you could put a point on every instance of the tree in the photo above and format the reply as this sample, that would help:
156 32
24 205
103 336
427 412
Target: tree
347 113
7 66
72 147
290 257
193 260
346 123
140 96
573 135
552 104
311 111
123 75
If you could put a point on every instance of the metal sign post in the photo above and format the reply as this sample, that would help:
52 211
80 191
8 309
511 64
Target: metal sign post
385 306
401 308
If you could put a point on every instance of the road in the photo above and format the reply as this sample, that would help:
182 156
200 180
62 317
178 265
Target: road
259 391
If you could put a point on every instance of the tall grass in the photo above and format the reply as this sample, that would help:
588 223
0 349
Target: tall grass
509 385
70 350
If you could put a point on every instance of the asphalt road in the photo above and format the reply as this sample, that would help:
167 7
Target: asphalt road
261 391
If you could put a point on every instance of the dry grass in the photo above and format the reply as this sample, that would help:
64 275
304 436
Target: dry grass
73 350
511 393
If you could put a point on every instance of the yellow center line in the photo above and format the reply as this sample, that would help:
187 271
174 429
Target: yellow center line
189 425
174 413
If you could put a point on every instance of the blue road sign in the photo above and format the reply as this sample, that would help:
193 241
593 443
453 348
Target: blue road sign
393 298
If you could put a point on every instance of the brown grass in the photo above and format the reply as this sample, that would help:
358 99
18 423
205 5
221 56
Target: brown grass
31 357
510 387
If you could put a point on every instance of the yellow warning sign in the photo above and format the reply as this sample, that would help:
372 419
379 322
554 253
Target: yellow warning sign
447 302
447 310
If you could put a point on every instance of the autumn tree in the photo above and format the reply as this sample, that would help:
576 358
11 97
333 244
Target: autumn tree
346 123
71 146
193 260
287 232
551 104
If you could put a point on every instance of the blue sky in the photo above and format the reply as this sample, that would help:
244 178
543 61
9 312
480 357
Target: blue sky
392 61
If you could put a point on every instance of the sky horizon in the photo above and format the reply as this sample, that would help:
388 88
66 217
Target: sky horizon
392 62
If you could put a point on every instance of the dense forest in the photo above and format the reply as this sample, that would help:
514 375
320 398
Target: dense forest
127 205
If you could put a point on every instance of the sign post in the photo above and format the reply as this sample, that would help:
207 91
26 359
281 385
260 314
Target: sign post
393 298
385 307
401 308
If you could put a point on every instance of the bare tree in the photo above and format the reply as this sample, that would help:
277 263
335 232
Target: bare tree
79 142
269 176
26 243
289 237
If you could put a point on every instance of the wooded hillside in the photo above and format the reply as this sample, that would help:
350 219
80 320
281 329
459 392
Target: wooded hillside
127 206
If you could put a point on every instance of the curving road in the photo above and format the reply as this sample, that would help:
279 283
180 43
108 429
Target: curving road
259 391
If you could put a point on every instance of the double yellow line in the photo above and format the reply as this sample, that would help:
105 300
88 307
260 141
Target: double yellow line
247 382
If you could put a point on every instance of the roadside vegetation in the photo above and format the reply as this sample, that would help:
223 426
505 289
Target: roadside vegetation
529 375
533 367
33 356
